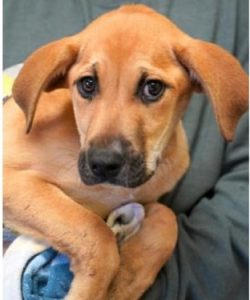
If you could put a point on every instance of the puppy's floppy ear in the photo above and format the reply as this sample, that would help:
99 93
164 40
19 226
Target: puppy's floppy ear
43 68
217 73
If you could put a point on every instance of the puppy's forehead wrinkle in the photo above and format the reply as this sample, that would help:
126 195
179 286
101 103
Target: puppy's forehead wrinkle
90 69
141 69
152 62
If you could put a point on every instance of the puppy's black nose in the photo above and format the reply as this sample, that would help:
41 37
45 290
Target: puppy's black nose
106 162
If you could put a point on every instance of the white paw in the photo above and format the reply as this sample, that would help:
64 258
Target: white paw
126 220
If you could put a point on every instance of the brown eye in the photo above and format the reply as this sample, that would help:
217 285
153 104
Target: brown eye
152 90
87 87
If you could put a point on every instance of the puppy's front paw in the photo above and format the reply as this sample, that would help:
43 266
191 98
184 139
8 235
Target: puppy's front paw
126 220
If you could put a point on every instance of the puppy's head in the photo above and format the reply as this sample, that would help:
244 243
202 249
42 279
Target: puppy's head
131 73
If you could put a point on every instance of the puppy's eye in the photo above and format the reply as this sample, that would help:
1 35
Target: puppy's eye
152 90
87 87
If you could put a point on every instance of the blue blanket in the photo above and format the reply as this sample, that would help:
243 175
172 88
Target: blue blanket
46 276
34 271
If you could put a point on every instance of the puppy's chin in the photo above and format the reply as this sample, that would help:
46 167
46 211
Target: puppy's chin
132 175
119 181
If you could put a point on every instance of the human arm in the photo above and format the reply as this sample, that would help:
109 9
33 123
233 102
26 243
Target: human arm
211 257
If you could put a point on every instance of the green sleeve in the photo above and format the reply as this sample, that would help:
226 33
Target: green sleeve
211 258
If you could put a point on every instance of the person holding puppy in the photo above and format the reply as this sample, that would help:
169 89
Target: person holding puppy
211 257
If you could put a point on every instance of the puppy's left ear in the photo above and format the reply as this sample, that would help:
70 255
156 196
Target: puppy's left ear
218 74
42 71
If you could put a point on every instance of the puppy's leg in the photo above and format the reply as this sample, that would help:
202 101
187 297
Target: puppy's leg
42 210
143 255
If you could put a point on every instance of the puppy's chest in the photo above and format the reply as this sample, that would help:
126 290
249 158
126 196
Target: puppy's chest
101 199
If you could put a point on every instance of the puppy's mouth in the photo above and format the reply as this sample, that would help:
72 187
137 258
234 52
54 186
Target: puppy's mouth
114 163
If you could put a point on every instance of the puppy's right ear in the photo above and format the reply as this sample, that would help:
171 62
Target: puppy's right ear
43 68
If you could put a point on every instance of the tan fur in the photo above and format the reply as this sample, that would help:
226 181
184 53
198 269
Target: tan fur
44 196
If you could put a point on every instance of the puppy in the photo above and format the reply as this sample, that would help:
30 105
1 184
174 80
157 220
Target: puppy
95 124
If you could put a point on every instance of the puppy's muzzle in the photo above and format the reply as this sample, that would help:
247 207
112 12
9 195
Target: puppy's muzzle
114 162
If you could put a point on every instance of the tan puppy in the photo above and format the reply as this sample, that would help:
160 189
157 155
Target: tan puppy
129 76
